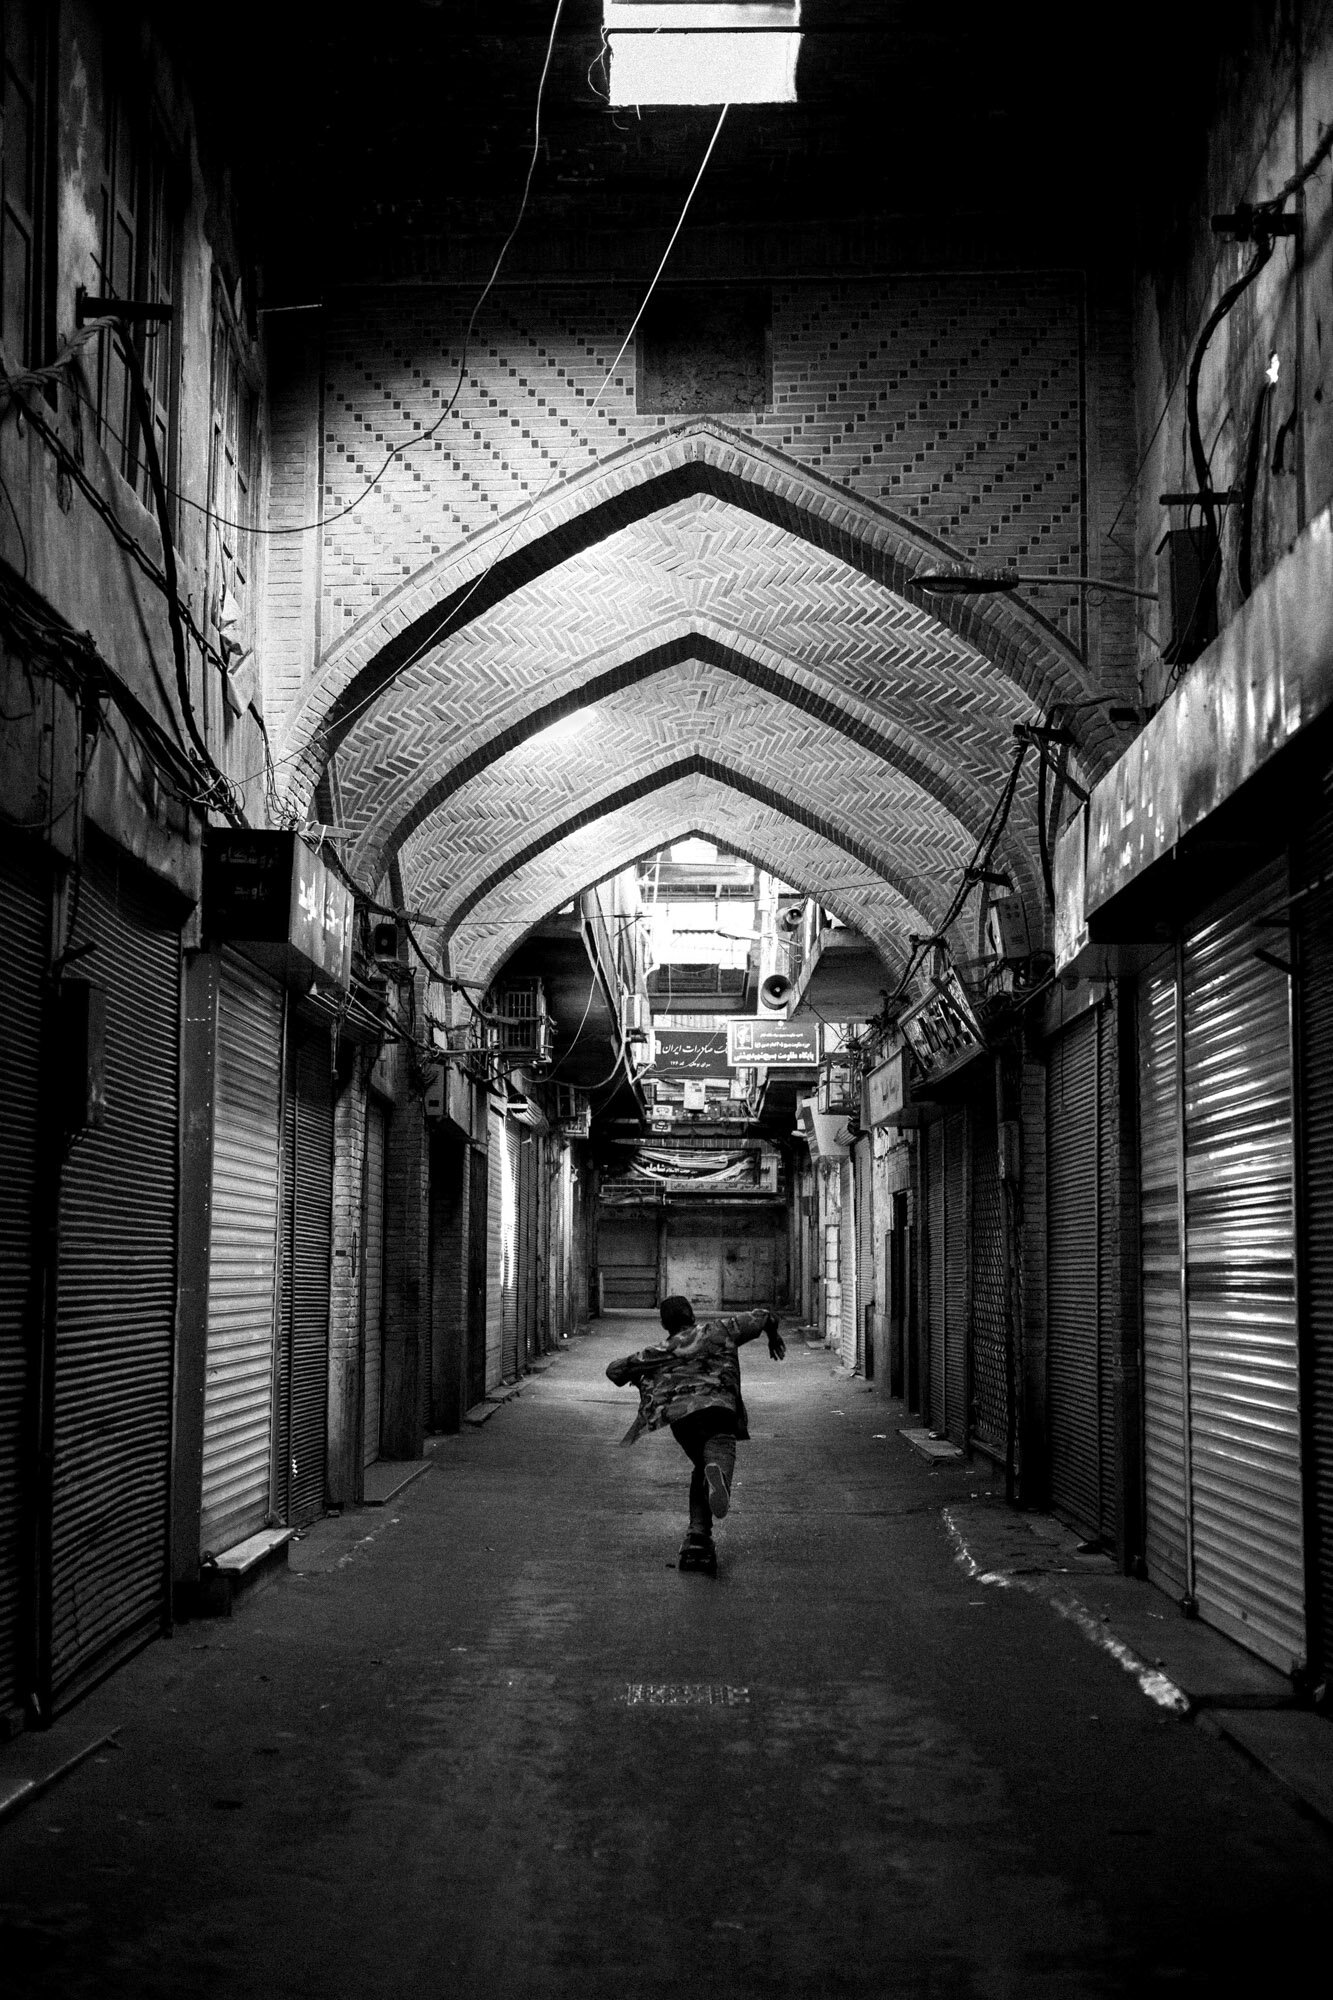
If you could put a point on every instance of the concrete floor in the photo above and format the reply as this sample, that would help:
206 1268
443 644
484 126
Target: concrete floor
417 1763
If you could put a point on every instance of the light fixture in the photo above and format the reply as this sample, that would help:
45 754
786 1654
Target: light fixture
702 51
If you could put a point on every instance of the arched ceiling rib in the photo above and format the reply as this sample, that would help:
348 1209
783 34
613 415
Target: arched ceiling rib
695 803
627 746
687 464
807 637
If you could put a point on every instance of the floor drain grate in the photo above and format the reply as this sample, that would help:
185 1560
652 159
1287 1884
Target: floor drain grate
684 1694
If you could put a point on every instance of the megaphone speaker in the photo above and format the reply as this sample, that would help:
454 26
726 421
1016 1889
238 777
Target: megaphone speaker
776 990
790 919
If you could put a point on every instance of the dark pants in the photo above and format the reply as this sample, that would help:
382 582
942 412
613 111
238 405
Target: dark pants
708 1434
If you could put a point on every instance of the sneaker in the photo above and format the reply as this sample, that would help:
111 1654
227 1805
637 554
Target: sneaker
719 1493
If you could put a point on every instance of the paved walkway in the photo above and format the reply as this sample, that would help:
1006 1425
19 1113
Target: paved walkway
487 1741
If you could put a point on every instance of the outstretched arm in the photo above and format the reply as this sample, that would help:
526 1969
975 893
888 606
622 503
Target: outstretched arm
749 1326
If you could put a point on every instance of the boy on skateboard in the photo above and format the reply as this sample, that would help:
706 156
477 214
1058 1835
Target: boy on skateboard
692 1381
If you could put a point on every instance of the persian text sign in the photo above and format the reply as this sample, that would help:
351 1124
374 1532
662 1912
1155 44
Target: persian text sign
690 1052
775 1044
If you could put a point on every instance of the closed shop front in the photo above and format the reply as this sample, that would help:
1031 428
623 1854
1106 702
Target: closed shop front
1314 1002
242 1256
478 1243
627 1258
495 1179
372 1297
866 1229
106 1582
510 1248
1080 1375
1222 1437
307 1244
847 1260
990 1369
947 1209
25 916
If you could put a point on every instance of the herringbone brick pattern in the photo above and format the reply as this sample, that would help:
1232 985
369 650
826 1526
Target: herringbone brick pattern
697 803
835 644
953 400
696 711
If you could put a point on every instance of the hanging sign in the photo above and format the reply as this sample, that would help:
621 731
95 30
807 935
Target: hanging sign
942 1029
272 897
773 1044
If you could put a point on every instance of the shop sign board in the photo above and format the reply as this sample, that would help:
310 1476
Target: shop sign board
690 1052
887 1095
942 1030
271 896
771 1044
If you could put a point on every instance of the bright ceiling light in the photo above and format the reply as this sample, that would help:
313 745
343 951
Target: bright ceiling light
703 51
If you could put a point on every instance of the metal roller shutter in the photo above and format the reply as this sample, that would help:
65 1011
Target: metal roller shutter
847 1263
494 1249
1166 1530
1073 1386
307 1245
955 1276
477 1269
512 1247
989 1422
1315 997
935 1249
866 1298
24 917
372 1252
242 1257
117 1294
1243 1395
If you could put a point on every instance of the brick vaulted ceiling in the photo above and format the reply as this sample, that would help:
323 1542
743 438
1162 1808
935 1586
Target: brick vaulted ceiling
562 631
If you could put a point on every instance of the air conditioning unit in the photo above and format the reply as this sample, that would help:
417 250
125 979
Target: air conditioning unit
520 1027
572 1111
1007 929
839 1091
636 1016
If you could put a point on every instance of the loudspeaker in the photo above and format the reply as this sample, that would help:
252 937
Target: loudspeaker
789 920
776 990
384 941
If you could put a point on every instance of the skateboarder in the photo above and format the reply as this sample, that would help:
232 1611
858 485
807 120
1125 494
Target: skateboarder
692 1381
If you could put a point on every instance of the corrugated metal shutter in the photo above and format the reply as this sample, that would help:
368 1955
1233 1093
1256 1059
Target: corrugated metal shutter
989 1370
494 1249
935 1257
867 1300
955 1275
477 1270
117 1293
24 918
1315 998
242 1256
1166 1531
1244 1398
512 1249
1073 1387
847 1263
307 1246
372 1251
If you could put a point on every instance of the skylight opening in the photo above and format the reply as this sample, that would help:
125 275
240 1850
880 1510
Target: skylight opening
702 51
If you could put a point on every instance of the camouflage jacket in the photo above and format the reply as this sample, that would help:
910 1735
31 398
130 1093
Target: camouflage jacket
696 1369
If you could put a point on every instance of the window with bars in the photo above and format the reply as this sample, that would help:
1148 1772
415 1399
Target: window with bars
25 308
232 482
137 259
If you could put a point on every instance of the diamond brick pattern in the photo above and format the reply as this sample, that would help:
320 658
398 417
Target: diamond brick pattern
767 749
953 400
695 804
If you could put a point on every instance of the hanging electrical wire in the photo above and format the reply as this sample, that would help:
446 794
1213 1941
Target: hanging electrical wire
450 618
